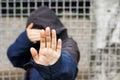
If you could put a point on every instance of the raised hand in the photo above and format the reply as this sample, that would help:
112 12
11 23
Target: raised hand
50 48
33 34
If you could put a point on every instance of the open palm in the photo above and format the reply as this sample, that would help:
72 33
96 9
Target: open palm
50 48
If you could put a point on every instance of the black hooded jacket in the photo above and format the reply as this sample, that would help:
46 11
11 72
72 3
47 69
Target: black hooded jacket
44 17
20 56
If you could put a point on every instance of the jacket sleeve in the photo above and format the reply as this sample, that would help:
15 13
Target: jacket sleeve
64 69
71 47
18 52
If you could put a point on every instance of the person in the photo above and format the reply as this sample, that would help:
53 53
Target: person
44 49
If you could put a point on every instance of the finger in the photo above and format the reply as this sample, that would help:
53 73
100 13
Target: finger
34 39
59 46
48 38
53 39
35 33
42 39
35 30
30 26
34 54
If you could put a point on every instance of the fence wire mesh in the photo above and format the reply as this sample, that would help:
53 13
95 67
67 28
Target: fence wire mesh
94 24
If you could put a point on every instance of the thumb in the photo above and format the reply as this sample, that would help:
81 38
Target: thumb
34 53
30 26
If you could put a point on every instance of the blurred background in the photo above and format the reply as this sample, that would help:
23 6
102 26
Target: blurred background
94 24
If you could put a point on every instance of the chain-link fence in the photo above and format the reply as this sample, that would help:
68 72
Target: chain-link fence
94 24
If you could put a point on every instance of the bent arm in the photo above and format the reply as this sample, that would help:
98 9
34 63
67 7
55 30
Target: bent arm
18 52
64 69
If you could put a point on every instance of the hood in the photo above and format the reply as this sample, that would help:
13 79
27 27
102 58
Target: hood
44 17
